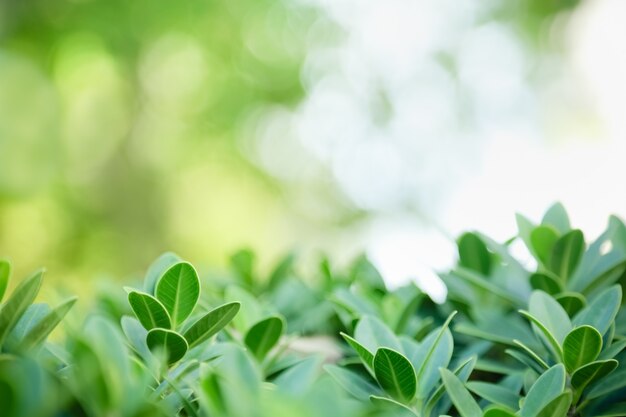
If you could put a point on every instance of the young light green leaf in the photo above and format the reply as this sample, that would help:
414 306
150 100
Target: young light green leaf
581 346
16 305
543 238
558 407
566 253
498 412
352 382
434 352
532 354
557 217
179 289
372 333
395 374
473 253
174 344
5 273
211 323
549 312
461 398
602 310
547 387
157 269
495 394
44 327
462 372
263 336
150 312
366 356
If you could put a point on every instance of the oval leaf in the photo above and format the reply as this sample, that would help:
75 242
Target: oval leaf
572 302
16 305
546 282
581 346
592 372
566 253
211 323
395 374
157 269
150 312
179 290
365 355
601 312
558 407
262 337
473 253
547 387
460 396
174 344
372 334
543 239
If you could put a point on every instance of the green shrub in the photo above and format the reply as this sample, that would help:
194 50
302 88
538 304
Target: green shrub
543 337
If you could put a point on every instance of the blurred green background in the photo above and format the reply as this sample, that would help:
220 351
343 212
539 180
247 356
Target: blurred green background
128 128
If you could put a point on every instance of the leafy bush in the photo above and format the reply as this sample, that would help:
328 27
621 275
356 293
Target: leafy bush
541 337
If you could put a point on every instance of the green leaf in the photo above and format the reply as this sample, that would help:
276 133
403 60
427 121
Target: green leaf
566 254
602 310
372 333
558 407
395 374
614 382
157 269
282 271
174 344
243 264
5 273
434 352
391 407
547 334
543 239
613 350
299 378
461 398
150 312
581 346
557 217
462 372
532 354
16 305
352 382
179 290
572 302
591 372
547 282
547 387
366 356
498 412
211 323
262 337
44 327
473 253
548 311
495 394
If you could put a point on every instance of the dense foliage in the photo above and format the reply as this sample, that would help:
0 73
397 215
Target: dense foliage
541 338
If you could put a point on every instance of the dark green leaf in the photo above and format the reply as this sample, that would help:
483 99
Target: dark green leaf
546 282
566 254
461 398
498 412
473 254
263 336
572 302
211 323
179 289
591 372
395 374
174 344
581 346
150 312
16 305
